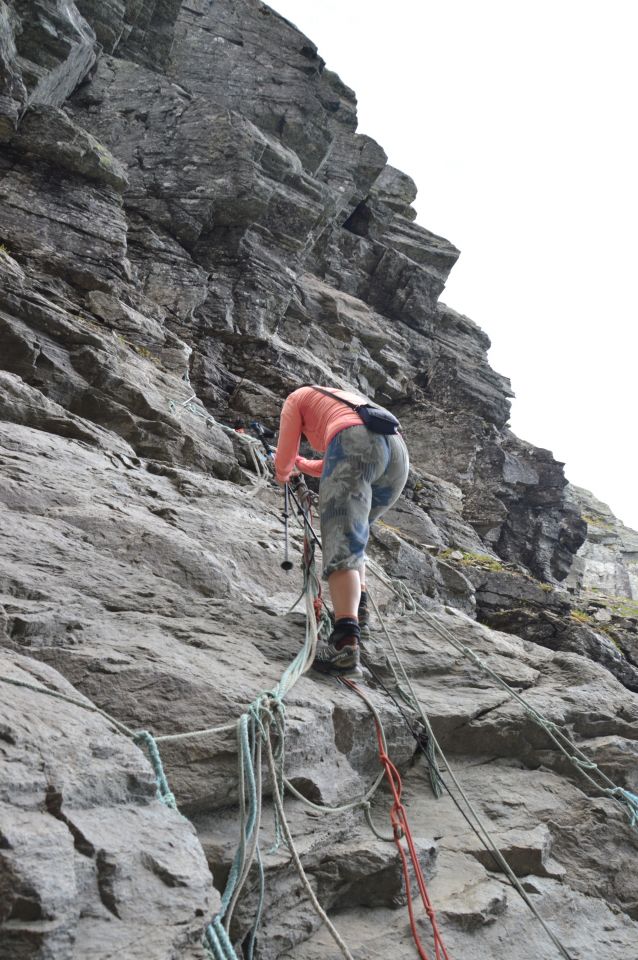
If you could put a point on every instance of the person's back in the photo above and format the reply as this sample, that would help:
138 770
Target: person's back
319 418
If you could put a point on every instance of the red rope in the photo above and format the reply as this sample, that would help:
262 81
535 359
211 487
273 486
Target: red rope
401 828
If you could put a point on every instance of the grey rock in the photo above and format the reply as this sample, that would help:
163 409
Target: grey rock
606 562
83 837
109 19
48 133
56 48
191 227
62 228
295 98
13 93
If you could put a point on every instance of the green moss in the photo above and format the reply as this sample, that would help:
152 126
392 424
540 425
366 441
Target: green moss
620 606
143 352
625 608
105 158
596 522
146 354
482 560
580 616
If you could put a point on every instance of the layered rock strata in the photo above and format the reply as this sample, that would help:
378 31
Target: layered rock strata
186 209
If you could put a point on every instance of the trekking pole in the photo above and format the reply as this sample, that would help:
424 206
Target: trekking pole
304 514
286 563
261 431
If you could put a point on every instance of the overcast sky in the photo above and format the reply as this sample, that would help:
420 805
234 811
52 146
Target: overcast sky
517 122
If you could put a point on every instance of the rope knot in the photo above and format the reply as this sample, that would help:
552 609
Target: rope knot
585 764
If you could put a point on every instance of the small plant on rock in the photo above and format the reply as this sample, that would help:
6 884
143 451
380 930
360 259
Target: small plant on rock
580 616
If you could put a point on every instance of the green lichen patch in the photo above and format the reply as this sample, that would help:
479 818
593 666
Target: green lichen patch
592 521
469 559
580 616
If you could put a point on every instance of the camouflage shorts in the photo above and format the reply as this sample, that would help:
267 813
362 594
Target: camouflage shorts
363 475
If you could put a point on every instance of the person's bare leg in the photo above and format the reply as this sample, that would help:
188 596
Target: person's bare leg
362 577
345 593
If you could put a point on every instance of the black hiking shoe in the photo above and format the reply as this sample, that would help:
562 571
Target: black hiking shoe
339 655
343 662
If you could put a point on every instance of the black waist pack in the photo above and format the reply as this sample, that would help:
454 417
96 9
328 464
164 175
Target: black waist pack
376 419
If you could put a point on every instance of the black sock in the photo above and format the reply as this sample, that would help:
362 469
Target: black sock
363 602
346 632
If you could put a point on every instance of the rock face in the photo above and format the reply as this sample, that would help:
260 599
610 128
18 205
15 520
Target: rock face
604 575
607 562
190 227
84 840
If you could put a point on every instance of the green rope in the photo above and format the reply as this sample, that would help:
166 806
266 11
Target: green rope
256 760
295 857
263 717
631 801
164 792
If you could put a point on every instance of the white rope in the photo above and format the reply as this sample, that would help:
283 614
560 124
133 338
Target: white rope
323 916
253 444
192 734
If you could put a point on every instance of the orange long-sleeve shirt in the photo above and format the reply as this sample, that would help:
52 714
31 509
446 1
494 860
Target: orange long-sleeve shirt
317 416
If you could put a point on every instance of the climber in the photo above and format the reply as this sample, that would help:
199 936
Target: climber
362 474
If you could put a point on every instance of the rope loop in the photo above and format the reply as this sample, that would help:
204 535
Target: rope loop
547 724
585 764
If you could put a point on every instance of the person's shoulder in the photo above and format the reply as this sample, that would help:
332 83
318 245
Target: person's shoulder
299 394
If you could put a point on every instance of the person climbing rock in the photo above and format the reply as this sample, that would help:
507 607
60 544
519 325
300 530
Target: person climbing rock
362 474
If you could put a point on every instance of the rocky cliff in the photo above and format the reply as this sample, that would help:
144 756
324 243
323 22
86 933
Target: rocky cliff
190 227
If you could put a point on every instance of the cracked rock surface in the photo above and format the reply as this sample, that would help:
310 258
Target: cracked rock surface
190 227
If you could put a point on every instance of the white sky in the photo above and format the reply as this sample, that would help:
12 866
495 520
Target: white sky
517 122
